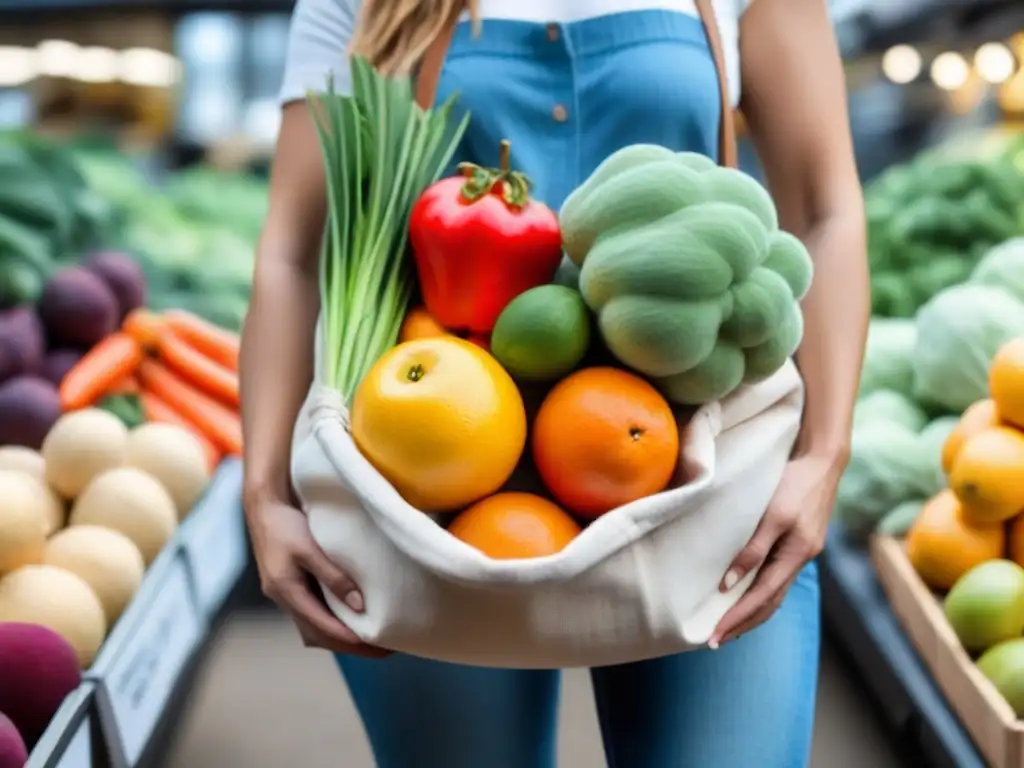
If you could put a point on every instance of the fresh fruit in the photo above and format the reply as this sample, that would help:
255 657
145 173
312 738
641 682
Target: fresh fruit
56 599
132 502
1015 540
986 604
602 438
105 559
13 751
20 459
77 308
1003 664
683 262
441 420
82 445
24 519
942 545
977 418
159 412
124 277
29 407
542 334
988 475
508 526
175 457
1006 381
418 324
479 240
39 669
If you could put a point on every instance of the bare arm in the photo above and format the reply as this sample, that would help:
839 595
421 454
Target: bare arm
277 340
795 103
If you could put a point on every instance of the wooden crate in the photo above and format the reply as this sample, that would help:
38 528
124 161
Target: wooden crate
986 715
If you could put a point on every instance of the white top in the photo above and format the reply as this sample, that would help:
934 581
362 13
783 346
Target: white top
322 29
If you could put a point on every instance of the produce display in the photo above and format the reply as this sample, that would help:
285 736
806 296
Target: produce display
527 394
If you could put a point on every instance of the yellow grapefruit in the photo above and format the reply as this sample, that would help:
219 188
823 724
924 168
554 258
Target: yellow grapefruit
441 420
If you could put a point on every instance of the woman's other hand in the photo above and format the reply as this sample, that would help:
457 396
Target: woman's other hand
290 565
790 535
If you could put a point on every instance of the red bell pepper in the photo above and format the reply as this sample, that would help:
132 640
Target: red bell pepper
479 240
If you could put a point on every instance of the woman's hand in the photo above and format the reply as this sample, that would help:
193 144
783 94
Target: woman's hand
791 534
290 562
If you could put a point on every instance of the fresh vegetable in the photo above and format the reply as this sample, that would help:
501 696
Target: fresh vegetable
29 407
124 277
102 368
194 367
898 521
479 241
58 362
218 423
887 356
156 410
888 407
126 407
380 151
77 308
692 280
22 342
1003 266
959 332
216 343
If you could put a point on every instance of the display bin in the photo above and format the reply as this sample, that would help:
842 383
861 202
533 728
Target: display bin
76 737
986 715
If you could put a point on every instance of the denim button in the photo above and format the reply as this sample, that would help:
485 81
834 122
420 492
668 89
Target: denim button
560 113
553 32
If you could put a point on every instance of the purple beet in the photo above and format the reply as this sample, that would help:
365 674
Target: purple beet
29 406
123 275
57 363
39 669
25 341
77 308
13 752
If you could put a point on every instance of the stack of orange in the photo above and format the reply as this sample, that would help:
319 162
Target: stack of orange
979 517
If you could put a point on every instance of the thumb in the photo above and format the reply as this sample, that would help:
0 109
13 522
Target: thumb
333 578
752 555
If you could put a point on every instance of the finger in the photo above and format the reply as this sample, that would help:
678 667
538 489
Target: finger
311 638
753 554
333 579
760 617
772 578
300 601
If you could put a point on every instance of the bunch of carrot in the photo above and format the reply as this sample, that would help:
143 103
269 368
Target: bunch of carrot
183 369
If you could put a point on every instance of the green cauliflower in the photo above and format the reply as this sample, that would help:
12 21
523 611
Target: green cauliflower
684 264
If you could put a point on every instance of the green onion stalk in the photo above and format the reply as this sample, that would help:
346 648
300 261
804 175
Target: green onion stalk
381 150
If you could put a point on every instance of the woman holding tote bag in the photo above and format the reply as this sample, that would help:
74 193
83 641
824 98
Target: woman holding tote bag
569 82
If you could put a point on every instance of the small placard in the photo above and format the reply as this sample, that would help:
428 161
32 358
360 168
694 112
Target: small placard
213 537
78 753
162 638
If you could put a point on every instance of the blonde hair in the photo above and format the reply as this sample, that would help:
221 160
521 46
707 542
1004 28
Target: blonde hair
394 35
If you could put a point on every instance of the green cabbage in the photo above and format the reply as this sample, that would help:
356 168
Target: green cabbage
888 407
958 333
1003 266
887 356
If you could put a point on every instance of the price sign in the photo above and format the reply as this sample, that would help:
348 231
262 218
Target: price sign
214 541
148 663
79 751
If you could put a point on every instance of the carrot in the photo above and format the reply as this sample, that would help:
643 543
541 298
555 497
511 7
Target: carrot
104 366
198 369
144 326
221 425
129 385
216 343
157 410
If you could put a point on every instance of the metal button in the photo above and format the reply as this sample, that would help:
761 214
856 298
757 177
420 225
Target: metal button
553 32
560 113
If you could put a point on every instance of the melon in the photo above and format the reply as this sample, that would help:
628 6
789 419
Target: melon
25 459
173 456
39 669
13 752
106 560
133 502
58 599
24 519
82 445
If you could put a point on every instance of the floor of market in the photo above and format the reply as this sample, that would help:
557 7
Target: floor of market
264 702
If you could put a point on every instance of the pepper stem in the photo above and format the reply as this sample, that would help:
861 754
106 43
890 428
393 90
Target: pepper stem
513 186
505 156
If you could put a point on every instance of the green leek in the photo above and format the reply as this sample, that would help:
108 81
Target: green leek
380 150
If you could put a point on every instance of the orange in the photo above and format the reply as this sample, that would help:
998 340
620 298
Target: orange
508 526
1015 540
1006 381
942 545
441 420
420 324
988 475
602 438
978 417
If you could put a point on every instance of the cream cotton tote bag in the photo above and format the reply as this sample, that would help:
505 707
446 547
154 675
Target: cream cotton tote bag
641 581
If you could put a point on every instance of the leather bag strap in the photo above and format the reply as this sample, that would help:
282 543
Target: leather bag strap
429 75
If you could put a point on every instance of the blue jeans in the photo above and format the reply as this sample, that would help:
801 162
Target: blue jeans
750 703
